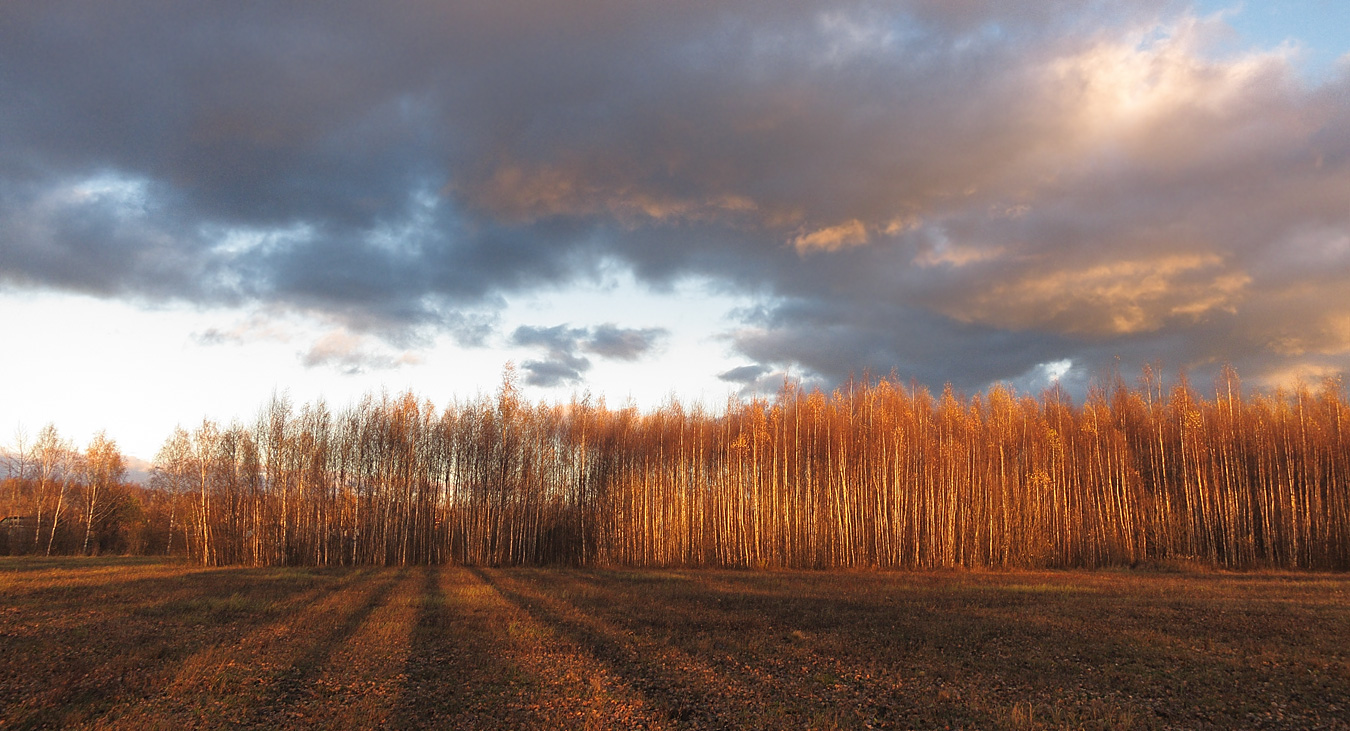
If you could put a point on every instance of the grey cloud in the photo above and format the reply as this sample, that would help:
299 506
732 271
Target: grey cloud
563 344
559 338
550 373
761 381
832 341
758 381
469 329
952 190
563 365
743 374
610 341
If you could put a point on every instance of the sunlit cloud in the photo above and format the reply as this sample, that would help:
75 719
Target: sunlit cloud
947 253
832 238
1119 297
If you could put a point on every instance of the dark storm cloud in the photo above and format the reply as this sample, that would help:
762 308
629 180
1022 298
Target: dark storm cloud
964 191
564 345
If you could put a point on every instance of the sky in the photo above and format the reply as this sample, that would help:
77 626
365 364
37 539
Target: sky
203 205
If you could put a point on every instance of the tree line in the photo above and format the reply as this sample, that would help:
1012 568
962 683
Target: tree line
876 473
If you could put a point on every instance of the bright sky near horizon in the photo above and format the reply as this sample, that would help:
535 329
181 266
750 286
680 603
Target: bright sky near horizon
202 206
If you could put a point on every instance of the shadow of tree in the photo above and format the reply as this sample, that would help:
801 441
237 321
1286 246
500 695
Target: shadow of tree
102 646
686 700
296 684
457 673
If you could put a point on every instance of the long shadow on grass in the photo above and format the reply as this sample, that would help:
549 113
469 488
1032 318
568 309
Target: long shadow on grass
455 674
297 682
682 699
129 641
799 647
426 667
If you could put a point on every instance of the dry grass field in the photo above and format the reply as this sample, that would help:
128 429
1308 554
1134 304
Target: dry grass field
144 643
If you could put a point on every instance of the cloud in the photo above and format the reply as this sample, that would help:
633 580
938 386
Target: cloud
467 328
609 341
1119 297
256 327
957 191
352 354
832 238
563 365
761 381
743 374
563 344
551 373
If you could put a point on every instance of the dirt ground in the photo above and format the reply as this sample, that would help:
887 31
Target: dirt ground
141 643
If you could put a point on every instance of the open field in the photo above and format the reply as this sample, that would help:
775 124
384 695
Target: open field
143 643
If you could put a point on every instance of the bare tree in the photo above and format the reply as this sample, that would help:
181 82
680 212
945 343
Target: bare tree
104 470
172 473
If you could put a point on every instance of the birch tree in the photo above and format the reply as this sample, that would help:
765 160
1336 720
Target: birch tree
104 470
